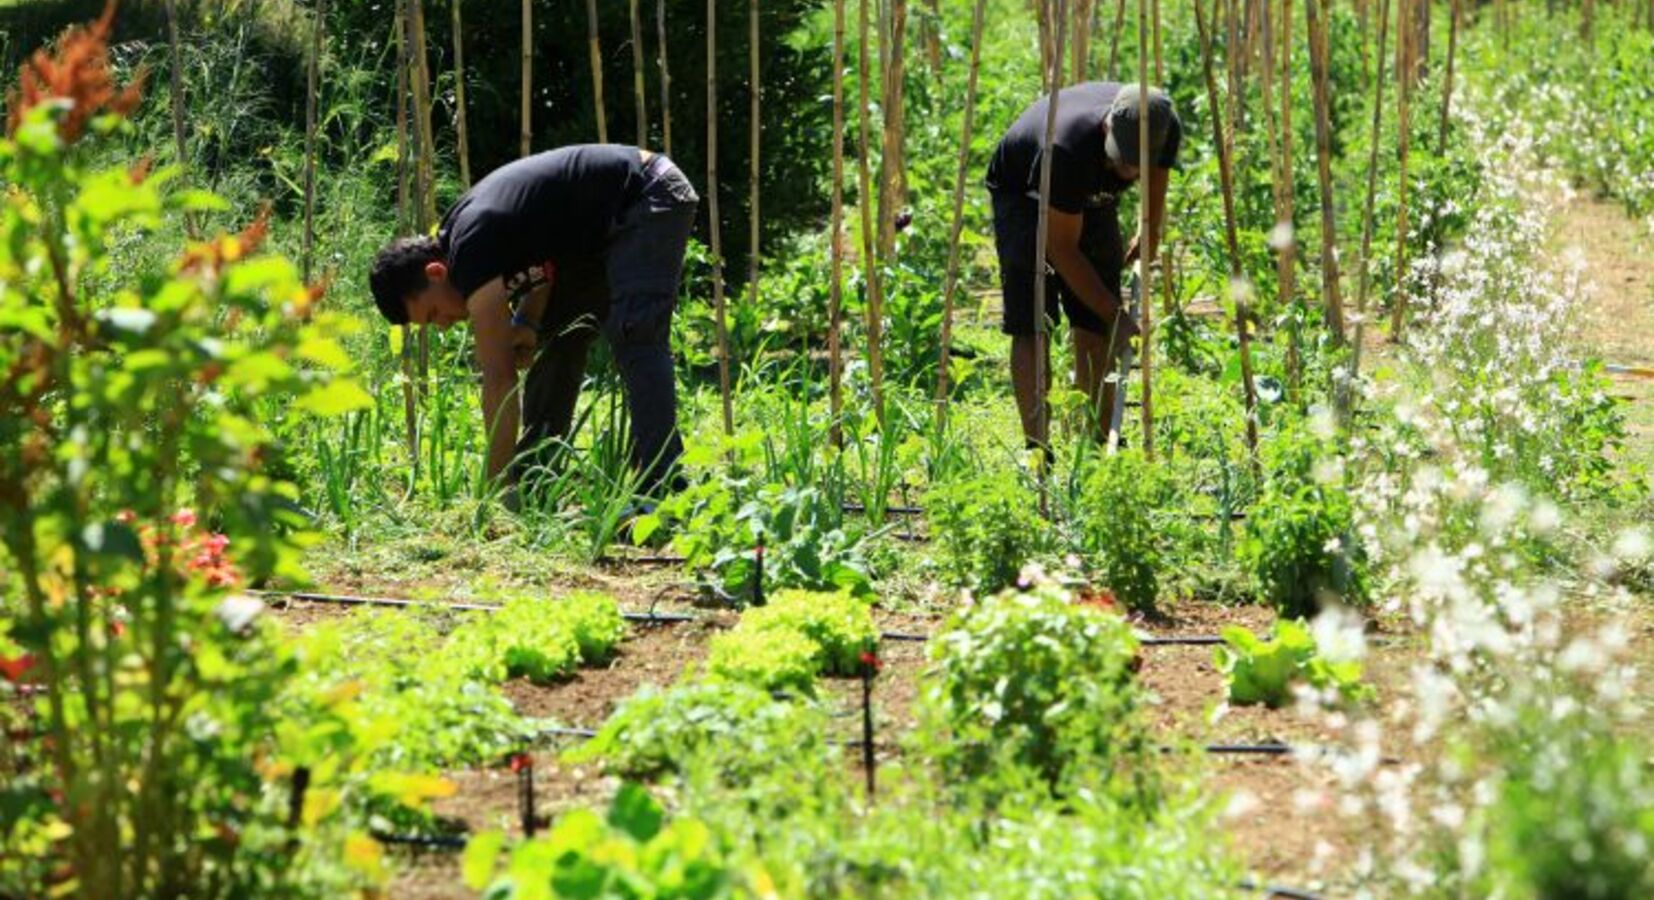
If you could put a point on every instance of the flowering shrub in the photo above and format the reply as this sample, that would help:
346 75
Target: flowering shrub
1033 679
122 399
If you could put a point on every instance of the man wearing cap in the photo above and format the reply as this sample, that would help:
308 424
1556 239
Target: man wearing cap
539 257
1094 157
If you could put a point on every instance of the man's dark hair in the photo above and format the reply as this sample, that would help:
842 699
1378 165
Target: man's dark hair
398 272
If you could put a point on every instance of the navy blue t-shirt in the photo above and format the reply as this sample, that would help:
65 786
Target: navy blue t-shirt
540 213
1080 170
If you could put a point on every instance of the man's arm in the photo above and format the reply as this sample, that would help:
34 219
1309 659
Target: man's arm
1159 178
1062 248
501 407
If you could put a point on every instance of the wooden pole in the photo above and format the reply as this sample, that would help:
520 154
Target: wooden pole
410 410
1080 55
1447 83
1159 55
459 98
1231 241
177 90
893 164
933 38
756 127
1114 39
1367 208
1287 228
1148 240
313 85
597 71
638 89
1398 309
1318 51
1042 336
835 283
526 137
420 75
869 241
950 280
665 78
712 208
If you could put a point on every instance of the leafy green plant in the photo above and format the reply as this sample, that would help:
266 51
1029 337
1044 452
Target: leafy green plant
1260 671
986 529
539 639
1301 547
720 524
775 659
1033 679
840 625
633 851
730 729
1123 530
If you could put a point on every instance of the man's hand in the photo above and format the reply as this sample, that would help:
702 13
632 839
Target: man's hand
501 407
1063 250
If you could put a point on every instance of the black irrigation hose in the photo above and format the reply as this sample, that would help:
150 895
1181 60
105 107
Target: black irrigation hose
1275 890
425 841
397 603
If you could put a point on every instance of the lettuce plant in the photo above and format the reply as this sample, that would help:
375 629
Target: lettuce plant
776 659
1260 671
839 624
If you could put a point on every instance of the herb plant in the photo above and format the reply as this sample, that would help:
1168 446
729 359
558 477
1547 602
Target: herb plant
986 529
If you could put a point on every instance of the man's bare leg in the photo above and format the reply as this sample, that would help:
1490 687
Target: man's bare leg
1023 350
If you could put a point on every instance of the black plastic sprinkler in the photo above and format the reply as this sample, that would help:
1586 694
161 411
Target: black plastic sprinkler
758 578
522 764
870 666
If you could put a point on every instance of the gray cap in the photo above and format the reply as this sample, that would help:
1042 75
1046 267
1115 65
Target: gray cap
1123 121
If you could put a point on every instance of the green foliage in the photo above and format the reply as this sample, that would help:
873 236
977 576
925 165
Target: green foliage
541 640
1033 679
1259 671
719 524
632 852
1124 529
841 626
127 397
1300 545
986 529
776 659
730 730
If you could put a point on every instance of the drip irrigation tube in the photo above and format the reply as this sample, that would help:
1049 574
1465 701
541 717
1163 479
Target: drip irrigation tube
1275 890
397 603
428 841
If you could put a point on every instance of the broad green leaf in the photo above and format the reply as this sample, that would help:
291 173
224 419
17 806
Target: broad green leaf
481 852
336 398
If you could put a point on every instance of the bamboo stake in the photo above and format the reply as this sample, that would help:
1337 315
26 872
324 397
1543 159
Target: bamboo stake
950 280
313 85
597 71
1398 309
638 88
1447 83
1159 55
1042 336
1080 54
1318 51
712 208
835 283
177 91
1231 240
933 38
665 79
1367 209
409 409
420 76
869 243
1149 242
893 165
1114 39
755 92
526 137
1287 230
459 98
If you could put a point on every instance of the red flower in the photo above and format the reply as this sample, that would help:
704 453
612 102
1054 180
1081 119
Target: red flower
184 518
15 667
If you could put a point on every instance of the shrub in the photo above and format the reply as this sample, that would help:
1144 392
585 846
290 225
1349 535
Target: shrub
1033 679
986 529
840 625
1121 529
735 731
1259 671
1300 546
772 660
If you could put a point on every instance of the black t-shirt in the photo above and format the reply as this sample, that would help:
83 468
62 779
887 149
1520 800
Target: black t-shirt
1080 171
530 217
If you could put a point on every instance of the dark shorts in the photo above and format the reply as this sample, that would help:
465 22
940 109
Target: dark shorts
1016 228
